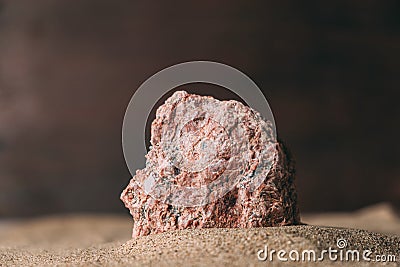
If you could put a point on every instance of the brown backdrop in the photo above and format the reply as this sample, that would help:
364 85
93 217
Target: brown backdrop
330 70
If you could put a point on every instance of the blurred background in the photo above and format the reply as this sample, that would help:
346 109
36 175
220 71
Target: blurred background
329 69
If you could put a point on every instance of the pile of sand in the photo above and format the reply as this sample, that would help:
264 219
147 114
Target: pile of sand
104 240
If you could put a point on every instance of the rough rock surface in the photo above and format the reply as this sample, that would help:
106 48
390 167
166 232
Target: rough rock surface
196 140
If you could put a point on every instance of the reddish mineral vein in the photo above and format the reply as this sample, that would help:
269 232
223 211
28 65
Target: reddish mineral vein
201 151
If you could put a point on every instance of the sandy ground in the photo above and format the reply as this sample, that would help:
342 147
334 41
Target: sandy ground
93 240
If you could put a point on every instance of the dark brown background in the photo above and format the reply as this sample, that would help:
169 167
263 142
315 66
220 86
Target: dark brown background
330 70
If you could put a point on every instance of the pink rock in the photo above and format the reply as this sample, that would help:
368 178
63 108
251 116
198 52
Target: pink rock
212 164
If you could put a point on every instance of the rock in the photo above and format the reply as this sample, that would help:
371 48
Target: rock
212 164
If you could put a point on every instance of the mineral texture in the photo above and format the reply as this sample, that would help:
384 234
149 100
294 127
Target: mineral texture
211 164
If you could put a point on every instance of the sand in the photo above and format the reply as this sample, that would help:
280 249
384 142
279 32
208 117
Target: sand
104 240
